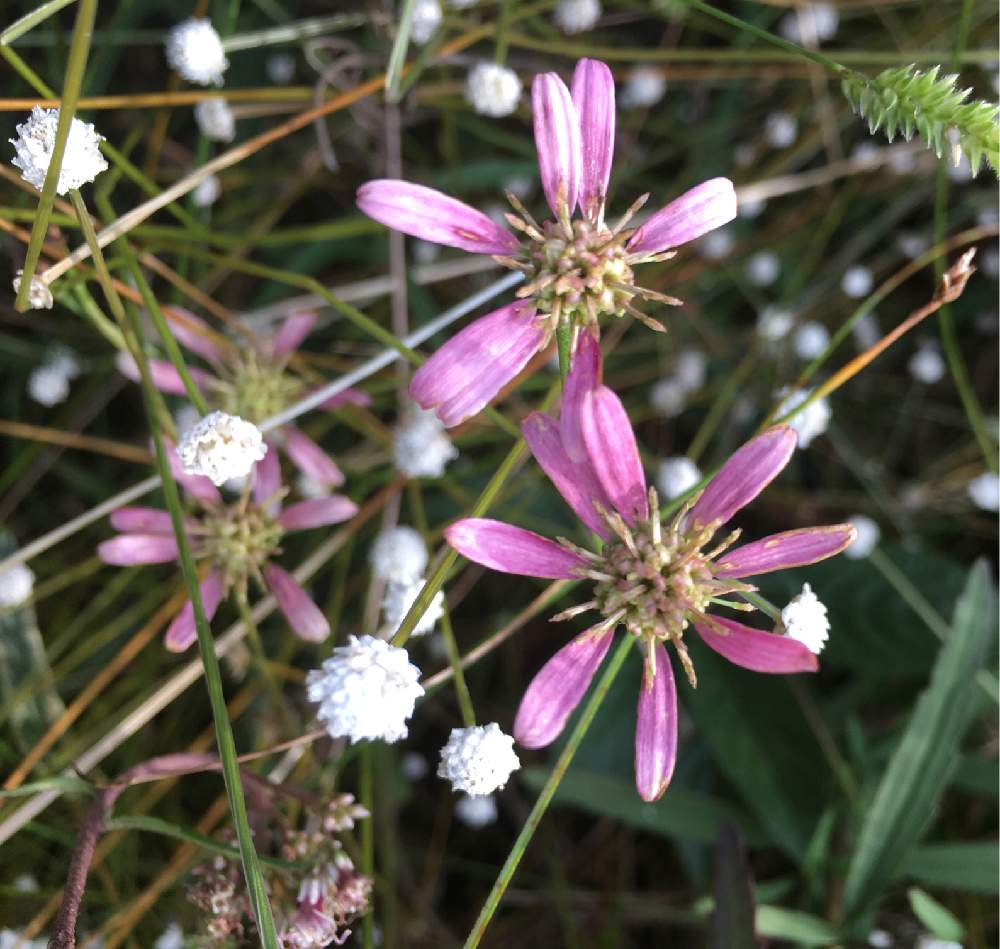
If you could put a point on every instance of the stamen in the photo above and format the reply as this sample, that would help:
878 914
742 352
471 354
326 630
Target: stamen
657 297
516 204
725 545
511 264
574 611
645 320
580 551
629 214
685 659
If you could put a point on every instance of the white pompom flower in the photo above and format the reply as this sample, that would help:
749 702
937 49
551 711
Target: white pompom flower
812 421
576 16
82 160
668 396
220 447
780 129
492 89
427 17
774 324
215 119
207 192
984 491
39 295
644 87
16 585
366 690
398 599
927 365
421 446
478 760
857 282
49 383
399 555
690 369
866 538
476 810
805 620
810 340
195 53
763 268
676 476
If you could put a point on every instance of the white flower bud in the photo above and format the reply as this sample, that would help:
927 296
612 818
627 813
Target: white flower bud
668 396
82 160
221 447
857 282
398 599
492 89
676 476
207 192
763 268
716 244
215 119
811 421
16 585
926 365
985 491
195 53
39 295
48 384
810 340
780 129
774 324
421 446
426 19
805 619
476 811
399 554
478 759
645 86
576 16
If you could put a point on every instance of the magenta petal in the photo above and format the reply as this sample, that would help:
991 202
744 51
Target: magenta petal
142 520
198 486
310 459
292 332
575 481
128 550
788 549
754 649
317 512
267 479
700 210
428 214
512 549
166 378
181 632
347 397
193 333
557 141
584 375
302 614
594 98
613 453
558 688
656 727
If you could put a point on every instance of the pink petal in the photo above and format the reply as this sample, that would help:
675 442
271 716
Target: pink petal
163 373
181 633
127 550
428 214
700 210
585 374
512 549
310 459
468 371
142 520
788 549
193 333
557 689
613 453
317 512
557 141
198 486
594 98
302 614
754 649
292 332
749 470
267 479
656 727
575 481
347 397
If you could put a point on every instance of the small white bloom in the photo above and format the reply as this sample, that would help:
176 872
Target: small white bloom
763 268
691 368
171 938
668 396
811 421
857 282
751 208
866 332
867 154
426 19
25 883
414 766
215 119
478 759
280 68
780 129
926 365
867 537
576 16
12 939
816 22
39 295
880 939
810 340
645 86
774 324
492 89
310 488
805 619
912 243
48 384
902 160
398 599
399 554
676 476
985 491
206 192
476 810
716 244
365 690
421 446
221 447
16 585
195 53
82 160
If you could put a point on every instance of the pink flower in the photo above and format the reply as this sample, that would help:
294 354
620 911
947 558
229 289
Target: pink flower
234 542
576 269
654 579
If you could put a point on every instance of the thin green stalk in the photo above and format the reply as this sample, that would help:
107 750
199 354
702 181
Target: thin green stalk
25 72
397 58
564 337
366 791
717 410
30 20
260 659
545 796
293 32
503 24
455 658
76 63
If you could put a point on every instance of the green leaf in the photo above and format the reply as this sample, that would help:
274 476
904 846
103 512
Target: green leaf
795 926
969 867
939 920
922 763
733 918
63 783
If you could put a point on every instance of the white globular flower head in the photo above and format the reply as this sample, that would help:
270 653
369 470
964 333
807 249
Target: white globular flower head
805 620
221 447
399 555
690 369
644 87
576 16
426 19
82 160
866 332
478 760
811 421
195 53
398 599
716 244
780 129
866 538
857 282
774 324
280 68
984 491
493 89
816 22
171 938
207 192
366 690
476 810
215 119
810 340
16 584
669 397
48 384
926 365
676 476
420 444
763 268
39 295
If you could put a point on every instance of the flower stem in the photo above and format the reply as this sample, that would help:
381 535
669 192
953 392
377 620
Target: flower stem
563 340
30 20
397 58
455 658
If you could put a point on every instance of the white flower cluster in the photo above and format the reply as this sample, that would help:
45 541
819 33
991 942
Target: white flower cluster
867 537
399 554
716 244
926 365
815 22
82 160
811 421
207 192
857 282
427 17
675 476
12 939
774 324
16 585
400 596
194 51
365 690
984 491
810 340
476 810
805 619
39 295
780 129
669 395
492 89
478 759
644 87
421 446
763 268
48 384
221 447
576 16
215 119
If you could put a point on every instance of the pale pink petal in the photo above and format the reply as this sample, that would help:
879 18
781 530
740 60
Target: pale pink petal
142 520
749 470
557 141
656 727
594 98
347 397
789 549
585 374
302 614
428 214
198 486
193 333
317 512
127 550
512 549
700 210
267 479
165 377
754 649
181 633
575 481
292 332
310 459
557 689
613 453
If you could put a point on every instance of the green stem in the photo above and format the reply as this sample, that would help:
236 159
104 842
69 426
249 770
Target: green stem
564 335
503 25
397 58
545 796
30 20
260 659
455 658
366 791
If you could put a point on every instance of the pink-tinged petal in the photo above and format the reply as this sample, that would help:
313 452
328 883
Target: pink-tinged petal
700 210
317 512
754 649
302 614
787 549
558 688
128 550
613 453
347 397
749 470
292 332
181 633
594 98
142 520
310 459
512 549
267 479
585 375
163 373
468 371
557 141
656 727
193 333
198 486
575 481
428 214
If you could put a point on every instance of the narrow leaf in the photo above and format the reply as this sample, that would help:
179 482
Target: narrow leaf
938 919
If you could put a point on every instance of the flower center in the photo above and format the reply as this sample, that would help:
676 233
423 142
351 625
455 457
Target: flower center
257 388
239 539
